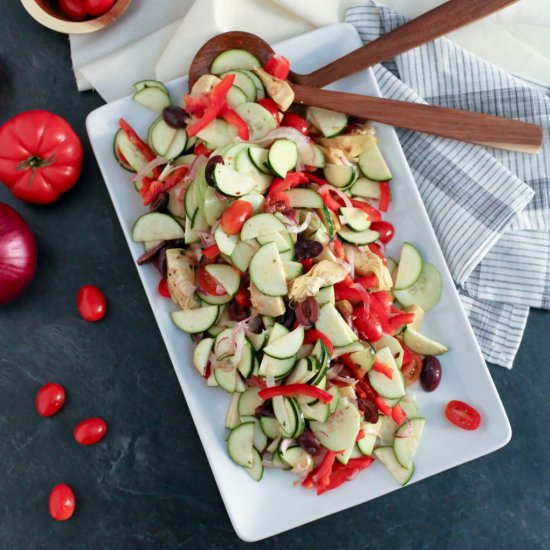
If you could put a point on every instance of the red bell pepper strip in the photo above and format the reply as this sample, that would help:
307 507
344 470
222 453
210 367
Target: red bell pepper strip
307 264
397 321
311 336
137 142
371 212
342 292
369 281
398 415
216 96
384 201
330 203
233 118
277 66
208 371
196 105
357 372
200 149
376 248
268 104
342 473
151 192
316 179
382 368
361 462
385 299
256 382
348 281
360 435
276 192
378 310
382 406
321 474
339 249
211 252
296 389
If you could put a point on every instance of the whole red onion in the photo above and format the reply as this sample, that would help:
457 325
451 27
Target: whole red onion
17 254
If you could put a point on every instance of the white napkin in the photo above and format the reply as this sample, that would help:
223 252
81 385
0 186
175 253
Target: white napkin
158 38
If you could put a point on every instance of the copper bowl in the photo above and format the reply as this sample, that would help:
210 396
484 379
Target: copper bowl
47 13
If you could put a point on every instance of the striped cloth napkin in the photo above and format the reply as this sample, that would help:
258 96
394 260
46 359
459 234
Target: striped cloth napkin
490 208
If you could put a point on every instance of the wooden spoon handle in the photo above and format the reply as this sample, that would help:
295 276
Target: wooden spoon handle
489 130
445 18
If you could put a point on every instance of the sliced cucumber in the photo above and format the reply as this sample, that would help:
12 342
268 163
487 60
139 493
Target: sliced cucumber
244 82
355 218
318 411
304 198
332 324
359 237
242 254
256 471
409 267
258 156
127 154
292 269
232 183
421 344
304 370
234 59
226 243
255 200
201 355
232 418
340 430
366 188
289 414
330 123
286 346
326 296
197 320
249 401
296 456
141 84
156 226
333 405
166 141
394 345
277 331
270 426
315 157
278 368
261 224
240 444
258 119
406 441
281 240
215 300
153 98
387 457
392 388
260 90
235 97
226 276
426 291
282 157
244 165
340 175
227 378
218 133
409 407
366 444
257 340
260 439
267 272
213 207
351 348
231 153
372 164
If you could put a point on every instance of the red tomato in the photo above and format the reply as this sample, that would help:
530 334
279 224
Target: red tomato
384 298
462 415
278 66
369 326
90 431
41 156
412 368
74 9
91 303
385 229
243 297
295 121
271 106
374 247
207 284
49 399
234 217
62 502
163 288
96 8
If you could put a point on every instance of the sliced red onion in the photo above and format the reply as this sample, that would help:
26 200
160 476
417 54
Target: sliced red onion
339 192
305 149
293 227
198 163
364 294
345 380
158 161
285 444
334 371
350 256
206 237
304 466
408 431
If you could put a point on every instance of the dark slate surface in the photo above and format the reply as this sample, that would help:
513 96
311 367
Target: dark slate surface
148 484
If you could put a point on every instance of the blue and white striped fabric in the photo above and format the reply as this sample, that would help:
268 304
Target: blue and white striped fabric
490 208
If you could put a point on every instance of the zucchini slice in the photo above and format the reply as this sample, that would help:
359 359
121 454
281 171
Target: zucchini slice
372 164
156 226
387 457
240 444
426 291
409 267
282 157
197 320
234 59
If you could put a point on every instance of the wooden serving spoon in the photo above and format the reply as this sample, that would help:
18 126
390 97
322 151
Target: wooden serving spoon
466 126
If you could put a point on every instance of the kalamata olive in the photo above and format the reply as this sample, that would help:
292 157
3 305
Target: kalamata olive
174 116
287 319
307 312
237 312
209 170
264 410
160 202
305 249
309 443
431 373
150 254
368 409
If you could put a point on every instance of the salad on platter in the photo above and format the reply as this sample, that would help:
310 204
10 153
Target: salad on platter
265 221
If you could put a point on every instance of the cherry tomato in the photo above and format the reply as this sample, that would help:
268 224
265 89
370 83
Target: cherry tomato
74 9
271 106
90 431
62 502
96 8
207 284
234 217
49 399
292 120
243 297
462 415
385 229
278 66
369 326
163 288
412 368
91 303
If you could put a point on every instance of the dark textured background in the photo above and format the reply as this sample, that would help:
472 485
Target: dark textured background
148 485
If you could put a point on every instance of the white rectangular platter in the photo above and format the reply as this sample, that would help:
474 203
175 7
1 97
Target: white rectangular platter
260 510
